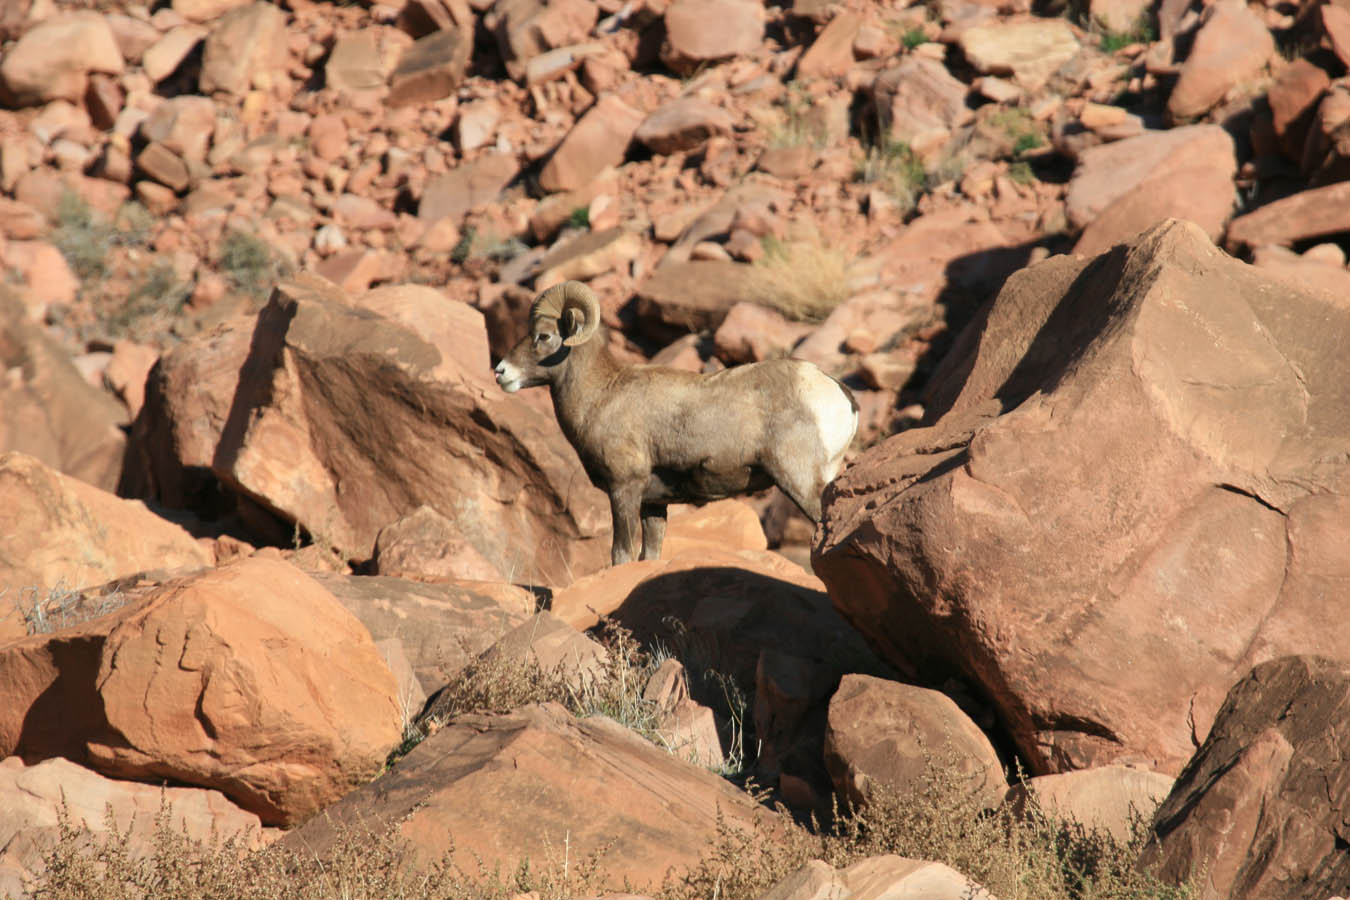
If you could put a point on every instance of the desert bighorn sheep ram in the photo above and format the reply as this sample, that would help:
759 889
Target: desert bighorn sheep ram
651 435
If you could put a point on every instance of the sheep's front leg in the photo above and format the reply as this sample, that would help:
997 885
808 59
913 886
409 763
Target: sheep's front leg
653 529
625 502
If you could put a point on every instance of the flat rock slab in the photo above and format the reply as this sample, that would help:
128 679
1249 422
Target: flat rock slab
1108 797
57 531
1310 214
1124 187
1030 51
1135 489
31 797
536 782
441 626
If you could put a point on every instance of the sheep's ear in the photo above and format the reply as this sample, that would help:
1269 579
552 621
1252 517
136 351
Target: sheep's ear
571 321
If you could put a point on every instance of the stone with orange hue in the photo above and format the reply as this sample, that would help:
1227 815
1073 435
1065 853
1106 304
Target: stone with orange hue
525 29
1320 212
441 627
1117 448
884 735
45 274
691 43
1107 797
599 139
250 679
162 58
588 255
1231 49
244 45
426 545
466 187
32 795
524 784
729 524
681 297
683 124
1120 189
127 372
183 125
48 410
53 59
431 68
921 104
351 412
205 10
1336 24
753 616
831 53
1028 49
20 221
751 332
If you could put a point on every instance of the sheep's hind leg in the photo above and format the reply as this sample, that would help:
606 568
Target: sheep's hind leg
805 492
653 529
625 501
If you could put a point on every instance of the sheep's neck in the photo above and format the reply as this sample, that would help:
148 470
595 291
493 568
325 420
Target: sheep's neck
586 375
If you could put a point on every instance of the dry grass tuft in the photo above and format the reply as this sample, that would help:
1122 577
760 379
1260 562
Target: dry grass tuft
496 683
803 281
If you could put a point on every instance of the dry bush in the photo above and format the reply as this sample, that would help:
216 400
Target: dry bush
362 865
48 609
1034 856
497 683
742 863
803 281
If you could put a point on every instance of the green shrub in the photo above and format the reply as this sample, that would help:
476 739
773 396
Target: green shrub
1141 33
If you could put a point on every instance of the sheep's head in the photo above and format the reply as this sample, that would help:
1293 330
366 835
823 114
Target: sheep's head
561 318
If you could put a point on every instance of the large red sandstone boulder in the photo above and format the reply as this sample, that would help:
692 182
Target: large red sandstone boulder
1259 813
59 531
503 788
48 410
251 679
350 413
1134 491
32 796
884 734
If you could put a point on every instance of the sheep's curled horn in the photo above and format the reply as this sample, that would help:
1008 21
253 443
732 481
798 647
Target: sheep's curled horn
573 295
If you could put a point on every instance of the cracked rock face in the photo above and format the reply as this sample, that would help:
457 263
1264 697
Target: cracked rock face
1136 488
1259 813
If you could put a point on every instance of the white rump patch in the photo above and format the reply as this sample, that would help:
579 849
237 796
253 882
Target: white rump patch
836 419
